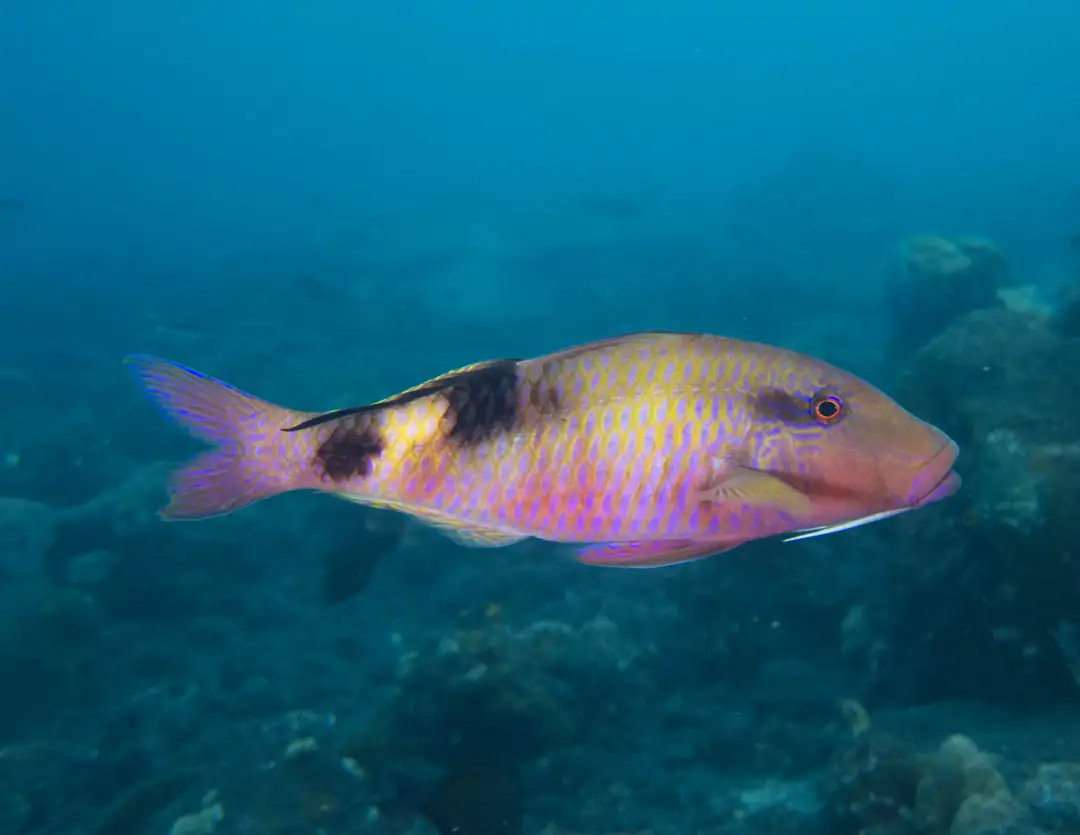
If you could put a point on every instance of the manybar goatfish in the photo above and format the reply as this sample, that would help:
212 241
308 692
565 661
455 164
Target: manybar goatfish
649 449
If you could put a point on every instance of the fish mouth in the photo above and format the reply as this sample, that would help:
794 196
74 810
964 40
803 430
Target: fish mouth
937 479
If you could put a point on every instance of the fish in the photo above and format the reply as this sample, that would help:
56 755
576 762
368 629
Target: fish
349 564
644 450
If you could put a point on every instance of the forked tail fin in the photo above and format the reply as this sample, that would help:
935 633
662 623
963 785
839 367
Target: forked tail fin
250 459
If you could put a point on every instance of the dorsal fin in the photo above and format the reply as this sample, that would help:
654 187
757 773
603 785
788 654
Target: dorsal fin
452 379
443 382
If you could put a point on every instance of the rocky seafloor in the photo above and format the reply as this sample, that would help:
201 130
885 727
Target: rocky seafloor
306 666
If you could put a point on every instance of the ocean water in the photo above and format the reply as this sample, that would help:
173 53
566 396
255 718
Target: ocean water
324 203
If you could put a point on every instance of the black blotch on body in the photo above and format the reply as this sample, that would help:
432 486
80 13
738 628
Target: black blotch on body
482 403
778 405
455 380
350 451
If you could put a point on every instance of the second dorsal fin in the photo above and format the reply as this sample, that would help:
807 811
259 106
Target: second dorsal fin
449 380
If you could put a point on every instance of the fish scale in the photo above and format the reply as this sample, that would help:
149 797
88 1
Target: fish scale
665 446
613 464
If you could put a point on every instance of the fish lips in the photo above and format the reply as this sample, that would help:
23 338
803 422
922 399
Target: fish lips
945 488
937 479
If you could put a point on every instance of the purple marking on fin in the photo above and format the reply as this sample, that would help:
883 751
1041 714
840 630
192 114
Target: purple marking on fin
199 403
221 480
652 553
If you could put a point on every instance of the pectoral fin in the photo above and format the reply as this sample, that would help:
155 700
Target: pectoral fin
755 487
653 554
463 533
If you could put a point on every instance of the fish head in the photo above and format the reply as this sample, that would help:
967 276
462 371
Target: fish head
848 447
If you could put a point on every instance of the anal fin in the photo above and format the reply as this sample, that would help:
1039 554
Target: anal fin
654 553
464 533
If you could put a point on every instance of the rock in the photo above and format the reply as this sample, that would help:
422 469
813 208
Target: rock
936 281
26 534
1053 796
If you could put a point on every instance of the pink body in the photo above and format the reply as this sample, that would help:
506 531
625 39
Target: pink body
679 438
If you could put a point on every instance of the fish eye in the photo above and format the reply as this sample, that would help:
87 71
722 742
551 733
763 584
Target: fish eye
826 408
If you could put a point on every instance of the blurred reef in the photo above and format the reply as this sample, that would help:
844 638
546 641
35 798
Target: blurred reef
311 667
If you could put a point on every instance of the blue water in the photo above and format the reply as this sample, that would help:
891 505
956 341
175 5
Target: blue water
327 202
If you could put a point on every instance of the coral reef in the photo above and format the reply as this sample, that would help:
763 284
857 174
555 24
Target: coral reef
880 787
1053 796
1001 383
497 697
310 666
935 281
48 655
1067 312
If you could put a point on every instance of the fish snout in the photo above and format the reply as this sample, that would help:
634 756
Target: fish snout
935 479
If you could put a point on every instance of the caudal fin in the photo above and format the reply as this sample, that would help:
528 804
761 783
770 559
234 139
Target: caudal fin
247 462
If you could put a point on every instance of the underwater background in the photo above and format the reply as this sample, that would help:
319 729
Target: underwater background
327 202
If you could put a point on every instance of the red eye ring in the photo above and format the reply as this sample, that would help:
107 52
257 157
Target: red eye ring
827 408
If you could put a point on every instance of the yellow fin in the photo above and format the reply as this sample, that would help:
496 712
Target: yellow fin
742 484
463 533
